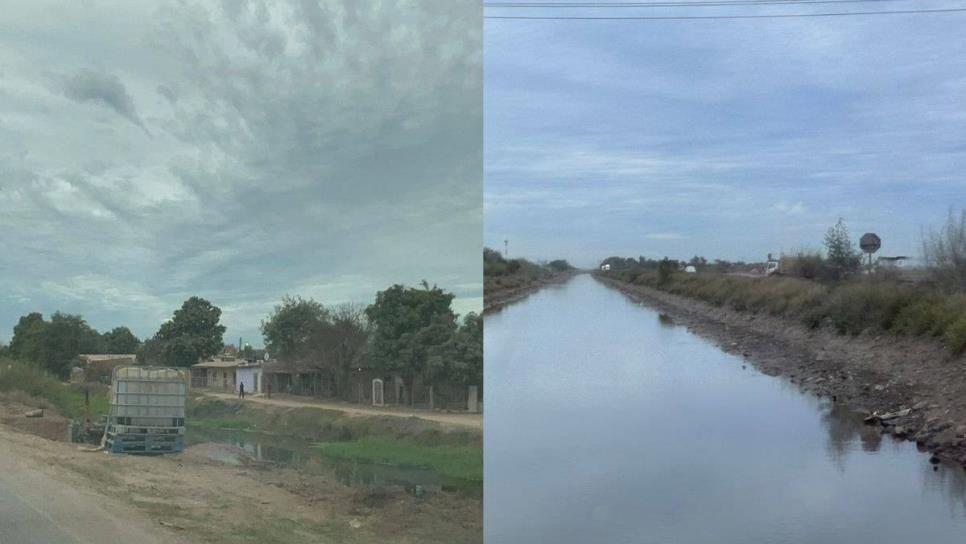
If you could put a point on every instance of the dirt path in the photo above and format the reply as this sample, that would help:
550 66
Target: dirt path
212 494
472 421
915 380
40 503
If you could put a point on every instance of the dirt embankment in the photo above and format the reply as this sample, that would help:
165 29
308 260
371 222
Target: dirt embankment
496 297
217 493
910 387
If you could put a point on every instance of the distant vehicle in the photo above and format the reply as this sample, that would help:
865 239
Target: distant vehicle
773 268
690 269
605 267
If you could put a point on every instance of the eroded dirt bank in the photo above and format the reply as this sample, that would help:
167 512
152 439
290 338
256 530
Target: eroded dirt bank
911 388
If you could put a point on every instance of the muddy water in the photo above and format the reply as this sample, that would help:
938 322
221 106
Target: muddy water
298 453
606 422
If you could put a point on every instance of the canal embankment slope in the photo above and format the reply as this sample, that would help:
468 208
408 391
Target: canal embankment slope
506 281
913 387
216 492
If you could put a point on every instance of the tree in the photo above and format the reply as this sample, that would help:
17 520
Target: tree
293 331
68 335
467 361
25 336
559 265
120 340
149 353
842 259
348 342
192 334
664 270
410 327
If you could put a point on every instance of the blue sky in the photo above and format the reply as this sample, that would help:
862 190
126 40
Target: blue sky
723 138
150 152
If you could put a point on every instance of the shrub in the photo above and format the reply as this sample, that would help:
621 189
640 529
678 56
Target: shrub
955 335
945 253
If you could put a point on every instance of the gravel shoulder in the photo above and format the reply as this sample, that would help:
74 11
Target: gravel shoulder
909 387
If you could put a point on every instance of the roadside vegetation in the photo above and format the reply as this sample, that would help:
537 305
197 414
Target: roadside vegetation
502 276
454 454
67 399
409 331
828 290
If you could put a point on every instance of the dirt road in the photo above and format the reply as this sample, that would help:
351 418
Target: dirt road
40 503
472 421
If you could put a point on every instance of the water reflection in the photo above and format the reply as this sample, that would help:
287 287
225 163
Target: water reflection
287 451
606 423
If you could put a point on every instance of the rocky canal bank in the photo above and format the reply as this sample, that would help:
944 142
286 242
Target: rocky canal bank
911 388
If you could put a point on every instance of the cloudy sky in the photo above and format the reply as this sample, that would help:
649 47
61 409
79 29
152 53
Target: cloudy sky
724 138
238 151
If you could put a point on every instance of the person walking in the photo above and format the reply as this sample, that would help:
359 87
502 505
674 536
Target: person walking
241 390
268 388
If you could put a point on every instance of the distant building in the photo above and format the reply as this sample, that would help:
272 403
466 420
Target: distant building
225 373
97 367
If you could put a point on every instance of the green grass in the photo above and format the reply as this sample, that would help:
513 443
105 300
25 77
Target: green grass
319 424
460 462
68 399
849 307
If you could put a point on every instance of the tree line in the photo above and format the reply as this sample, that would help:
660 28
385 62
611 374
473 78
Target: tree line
943 252
408 331
55 343
412 332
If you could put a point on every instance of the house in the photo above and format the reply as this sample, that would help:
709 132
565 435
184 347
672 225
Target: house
225 372
97 367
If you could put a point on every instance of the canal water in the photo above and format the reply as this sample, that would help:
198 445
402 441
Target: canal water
606 422
301 454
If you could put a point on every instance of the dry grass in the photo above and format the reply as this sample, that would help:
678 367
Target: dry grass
850 307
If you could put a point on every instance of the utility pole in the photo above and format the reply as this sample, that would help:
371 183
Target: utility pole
505 243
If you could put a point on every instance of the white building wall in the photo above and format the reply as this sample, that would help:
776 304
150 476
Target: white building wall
251 377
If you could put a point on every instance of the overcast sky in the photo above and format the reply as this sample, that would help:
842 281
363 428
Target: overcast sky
237 152
724 138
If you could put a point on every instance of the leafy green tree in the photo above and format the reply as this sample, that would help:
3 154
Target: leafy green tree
24 344
294 329
467 361
149 352
347 342
120 340
841 257
67 336
664 270
193 333
411 328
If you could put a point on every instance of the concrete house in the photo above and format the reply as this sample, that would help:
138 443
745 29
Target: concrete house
225 373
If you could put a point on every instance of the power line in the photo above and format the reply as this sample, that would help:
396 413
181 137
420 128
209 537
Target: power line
698 4
683 17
